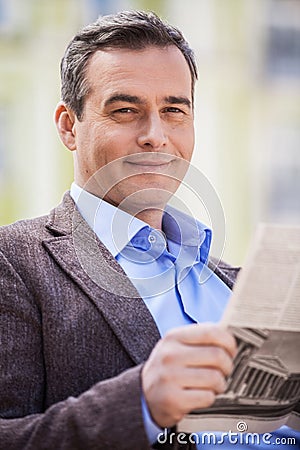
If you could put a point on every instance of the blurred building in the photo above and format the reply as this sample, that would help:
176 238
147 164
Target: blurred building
34 167
247 104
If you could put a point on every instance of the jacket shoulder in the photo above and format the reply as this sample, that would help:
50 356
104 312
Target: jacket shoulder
23 230
30 231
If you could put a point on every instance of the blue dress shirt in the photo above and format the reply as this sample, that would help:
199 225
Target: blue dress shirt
168 269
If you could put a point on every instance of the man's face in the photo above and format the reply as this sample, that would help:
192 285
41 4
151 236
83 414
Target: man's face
139 109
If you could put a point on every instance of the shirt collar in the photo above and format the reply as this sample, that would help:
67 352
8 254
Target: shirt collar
187 231
115 227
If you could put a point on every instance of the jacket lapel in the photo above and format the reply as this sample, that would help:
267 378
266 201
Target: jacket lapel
84 258
226 273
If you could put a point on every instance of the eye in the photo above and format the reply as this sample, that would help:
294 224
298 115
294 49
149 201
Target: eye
174 109
124 111
125 114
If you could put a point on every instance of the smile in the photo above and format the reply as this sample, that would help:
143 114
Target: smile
149 167
152 160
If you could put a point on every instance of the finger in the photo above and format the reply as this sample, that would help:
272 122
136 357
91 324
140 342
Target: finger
191 399
204 334
209 379
207 356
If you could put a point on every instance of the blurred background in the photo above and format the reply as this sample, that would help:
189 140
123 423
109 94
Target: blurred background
247 104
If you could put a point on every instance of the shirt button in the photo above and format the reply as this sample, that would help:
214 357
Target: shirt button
151 238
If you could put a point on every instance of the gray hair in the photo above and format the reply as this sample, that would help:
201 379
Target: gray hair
133 30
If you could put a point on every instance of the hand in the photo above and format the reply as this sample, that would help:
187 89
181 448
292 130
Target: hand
186 370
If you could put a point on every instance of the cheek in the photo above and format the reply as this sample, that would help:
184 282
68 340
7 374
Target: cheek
185 141
115 140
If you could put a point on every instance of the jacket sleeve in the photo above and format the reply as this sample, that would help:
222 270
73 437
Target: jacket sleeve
107 416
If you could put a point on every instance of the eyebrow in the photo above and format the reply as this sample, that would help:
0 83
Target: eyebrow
123 98
134 99
173 100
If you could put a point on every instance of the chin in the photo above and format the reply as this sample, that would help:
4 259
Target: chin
135 199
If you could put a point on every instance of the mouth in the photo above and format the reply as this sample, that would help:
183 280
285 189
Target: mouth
151 161
149 167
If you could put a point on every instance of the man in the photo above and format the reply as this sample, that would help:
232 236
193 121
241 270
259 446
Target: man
98 350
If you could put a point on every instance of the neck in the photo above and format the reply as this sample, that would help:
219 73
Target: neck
151 216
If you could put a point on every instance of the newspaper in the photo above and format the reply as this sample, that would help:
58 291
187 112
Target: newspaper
263 390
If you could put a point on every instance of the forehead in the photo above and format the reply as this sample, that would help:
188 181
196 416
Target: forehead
151 69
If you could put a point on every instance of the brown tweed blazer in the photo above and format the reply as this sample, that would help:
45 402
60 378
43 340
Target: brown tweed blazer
71 349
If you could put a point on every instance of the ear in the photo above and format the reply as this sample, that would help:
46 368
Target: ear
65 121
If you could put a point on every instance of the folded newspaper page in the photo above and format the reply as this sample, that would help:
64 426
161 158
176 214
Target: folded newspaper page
263 390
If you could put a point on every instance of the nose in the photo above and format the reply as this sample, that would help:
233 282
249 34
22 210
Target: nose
152 134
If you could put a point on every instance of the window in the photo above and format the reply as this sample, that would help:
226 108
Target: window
14 17
283 39
283 189
94 8
6 16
